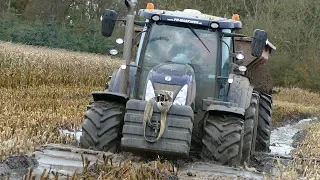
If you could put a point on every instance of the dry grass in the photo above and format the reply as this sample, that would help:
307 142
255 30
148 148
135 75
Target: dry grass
22 65
44 89
294 102
32 116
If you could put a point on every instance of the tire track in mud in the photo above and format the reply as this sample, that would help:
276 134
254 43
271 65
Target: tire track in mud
66 159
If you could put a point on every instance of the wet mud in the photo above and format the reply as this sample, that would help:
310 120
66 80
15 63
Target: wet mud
16 166
67 159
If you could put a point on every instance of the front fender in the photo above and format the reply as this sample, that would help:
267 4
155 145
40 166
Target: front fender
115 85
110 96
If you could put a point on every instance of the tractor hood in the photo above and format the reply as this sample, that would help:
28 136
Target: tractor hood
175 74
177 79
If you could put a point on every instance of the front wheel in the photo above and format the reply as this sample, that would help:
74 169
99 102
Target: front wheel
102 126
222 138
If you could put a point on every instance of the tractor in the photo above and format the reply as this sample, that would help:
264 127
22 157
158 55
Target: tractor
195 85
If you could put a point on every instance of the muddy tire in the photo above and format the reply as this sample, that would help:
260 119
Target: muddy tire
102 125
222 139
250 116
263 129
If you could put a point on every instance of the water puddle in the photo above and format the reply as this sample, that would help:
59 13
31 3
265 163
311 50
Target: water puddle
281 139
75 133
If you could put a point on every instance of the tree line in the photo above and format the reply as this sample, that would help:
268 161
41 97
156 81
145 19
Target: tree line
292 25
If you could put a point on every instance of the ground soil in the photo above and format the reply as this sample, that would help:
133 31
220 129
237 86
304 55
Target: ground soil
67 158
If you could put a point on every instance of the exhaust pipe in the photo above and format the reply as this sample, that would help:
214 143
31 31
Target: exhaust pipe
127 49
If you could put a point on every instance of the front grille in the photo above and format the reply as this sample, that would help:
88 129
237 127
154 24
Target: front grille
167 87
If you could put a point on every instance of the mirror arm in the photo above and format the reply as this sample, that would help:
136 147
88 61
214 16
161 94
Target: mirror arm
120 20
138 23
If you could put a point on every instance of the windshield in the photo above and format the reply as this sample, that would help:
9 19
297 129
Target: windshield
179 44
182 43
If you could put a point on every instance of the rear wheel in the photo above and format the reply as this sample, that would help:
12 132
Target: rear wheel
250 118
263 129
101 128
222 138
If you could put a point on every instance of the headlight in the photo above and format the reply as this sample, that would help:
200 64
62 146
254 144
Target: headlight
149 91
181 98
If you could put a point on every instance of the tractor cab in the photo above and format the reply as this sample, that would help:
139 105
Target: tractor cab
183 51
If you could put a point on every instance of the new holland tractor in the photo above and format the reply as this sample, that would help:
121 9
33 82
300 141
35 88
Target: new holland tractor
194 86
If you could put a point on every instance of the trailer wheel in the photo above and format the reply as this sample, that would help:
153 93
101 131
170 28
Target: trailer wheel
250 118
263 129
101 128
222 138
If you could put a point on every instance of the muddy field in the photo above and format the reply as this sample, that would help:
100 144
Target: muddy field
67 159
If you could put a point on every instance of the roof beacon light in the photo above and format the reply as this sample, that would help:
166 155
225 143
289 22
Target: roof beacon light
236 17
150 6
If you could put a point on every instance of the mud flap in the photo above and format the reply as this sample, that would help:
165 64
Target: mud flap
176 139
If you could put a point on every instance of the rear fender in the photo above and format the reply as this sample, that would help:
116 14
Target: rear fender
238 99
240 91
219 106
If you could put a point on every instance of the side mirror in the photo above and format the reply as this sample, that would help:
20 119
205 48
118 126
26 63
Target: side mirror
258 43
108 22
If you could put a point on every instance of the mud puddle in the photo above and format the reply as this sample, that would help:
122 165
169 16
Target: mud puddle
282 138
74 133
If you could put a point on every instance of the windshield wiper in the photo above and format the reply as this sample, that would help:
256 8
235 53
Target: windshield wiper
194 32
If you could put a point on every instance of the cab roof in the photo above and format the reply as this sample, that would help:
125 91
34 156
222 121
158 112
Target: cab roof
191 16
